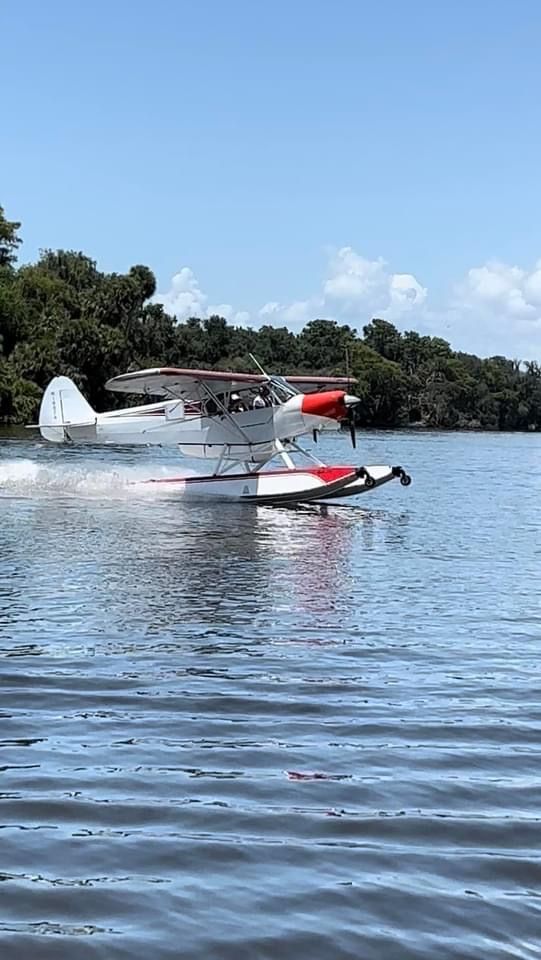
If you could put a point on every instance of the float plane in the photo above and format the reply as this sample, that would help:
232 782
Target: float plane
242 422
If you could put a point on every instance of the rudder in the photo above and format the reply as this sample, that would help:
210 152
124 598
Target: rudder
64 413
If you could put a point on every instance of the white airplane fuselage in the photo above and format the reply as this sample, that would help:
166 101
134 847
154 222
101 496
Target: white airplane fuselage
250 436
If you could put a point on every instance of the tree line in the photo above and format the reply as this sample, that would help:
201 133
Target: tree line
61 315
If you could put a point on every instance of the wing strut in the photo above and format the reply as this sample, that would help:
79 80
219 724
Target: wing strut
225 411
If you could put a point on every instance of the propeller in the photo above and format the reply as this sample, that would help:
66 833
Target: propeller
349 419
352 431
351 402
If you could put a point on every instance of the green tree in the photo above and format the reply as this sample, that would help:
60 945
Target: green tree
382 388
9 241
324 345
62 315
384 338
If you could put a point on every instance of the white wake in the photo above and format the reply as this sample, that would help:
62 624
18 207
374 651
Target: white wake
30 478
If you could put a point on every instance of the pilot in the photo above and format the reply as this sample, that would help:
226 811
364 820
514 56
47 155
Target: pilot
259 400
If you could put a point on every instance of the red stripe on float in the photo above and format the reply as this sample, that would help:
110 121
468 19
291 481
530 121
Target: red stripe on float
327 474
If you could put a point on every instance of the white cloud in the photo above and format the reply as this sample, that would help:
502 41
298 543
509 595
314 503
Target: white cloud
494 308
294 315
270 310
238 317
353 290
353 279
358 287
186 299
406 293
499 286
532 286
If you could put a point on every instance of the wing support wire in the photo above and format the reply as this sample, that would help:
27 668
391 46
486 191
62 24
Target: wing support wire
220 468
226 413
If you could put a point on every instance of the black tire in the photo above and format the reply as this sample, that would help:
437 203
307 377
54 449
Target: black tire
405 480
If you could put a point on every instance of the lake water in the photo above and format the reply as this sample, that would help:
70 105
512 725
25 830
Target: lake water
230 732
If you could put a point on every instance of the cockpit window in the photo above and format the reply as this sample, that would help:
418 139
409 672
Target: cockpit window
282 389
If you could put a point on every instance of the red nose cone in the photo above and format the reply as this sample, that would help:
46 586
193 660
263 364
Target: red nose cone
329 403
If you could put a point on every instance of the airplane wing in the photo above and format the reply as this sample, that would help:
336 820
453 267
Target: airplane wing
195 385
312 384
182 383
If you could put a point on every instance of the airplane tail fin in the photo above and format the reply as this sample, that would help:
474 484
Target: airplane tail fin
64 413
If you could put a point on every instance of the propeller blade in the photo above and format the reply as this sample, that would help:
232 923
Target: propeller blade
352 432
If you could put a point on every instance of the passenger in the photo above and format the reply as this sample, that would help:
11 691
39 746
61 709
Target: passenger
259 400
236 405
267 396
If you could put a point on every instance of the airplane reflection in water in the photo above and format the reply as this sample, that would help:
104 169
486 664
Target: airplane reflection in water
167 570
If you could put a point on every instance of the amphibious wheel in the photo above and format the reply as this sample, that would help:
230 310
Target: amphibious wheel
405 480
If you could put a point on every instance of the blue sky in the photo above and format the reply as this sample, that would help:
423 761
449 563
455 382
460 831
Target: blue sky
288 160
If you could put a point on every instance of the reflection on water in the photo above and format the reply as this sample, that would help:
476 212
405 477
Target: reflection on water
235 731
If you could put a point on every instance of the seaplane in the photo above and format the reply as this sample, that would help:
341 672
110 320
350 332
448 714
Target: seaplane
242 422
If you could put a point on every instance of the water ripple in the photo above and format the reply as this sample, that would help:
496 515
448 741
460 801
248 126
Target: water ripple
248 732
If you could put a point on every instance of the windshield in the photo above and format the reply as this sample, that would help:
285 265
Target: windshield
282 389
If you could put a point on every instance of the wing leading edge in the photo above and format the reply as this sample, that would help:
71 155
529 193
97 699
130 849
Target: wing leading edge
178 382
196 384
